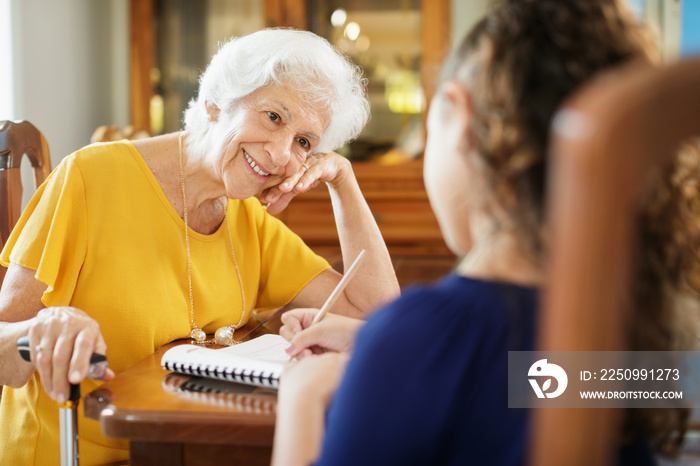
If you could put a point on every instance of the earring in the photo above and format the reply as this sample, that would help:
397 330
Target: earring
209 118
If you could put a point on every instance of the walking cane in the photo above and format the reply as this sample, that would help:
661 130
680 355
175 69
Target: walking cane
68 411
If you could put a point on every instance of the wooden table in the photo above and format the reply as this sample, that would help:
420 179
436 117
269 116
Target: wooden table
167 424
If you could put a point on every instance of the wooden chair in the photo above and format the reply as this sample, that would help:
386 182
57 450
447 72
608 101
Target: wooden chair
604 140
18 139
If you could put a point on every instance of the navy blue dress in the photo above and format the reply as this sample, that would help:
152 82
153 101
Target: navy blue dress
427 383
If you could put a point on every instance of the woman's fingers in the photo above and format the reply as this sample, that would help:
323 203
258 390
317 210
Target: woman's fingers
289 187
293 182
333 334
63 340
319 168
280 203
109 375
316 169
277 200
43 361
87 342
288 330
59 368
295 321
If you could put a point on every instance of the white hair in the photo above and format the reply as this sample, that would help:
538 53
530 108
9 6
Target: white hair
301 60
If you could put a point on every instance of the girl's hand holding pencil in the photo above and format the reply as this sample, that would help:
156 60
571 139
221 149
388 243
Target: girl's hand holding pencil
309 335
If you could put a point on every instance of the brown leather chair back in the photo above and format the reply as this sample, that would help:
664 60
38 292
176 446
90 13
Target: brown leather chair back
604 140
18 139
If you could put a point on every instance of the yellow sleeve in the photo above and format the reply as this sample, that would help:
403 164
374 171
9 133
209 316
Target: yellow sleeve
287 263
51 234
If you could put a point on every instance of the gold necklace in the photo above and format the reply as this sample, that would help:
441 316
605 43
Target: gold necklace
224 335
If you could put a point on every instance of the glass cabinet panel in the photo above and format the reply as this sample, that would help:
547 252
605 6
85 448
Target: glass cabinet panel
384 39
186 34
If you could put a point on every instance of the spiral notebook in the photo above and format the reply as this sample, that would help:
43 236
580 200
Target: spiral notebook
256 362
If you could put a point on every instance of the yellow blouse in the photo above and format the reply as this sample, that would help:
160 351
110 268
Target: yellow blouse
104 238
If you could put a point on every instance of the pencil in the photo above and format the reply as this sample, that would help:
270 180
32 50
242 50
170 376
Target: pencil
339 288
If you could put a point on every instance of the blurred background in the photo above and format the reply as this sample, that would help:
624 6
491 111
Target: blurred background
70 66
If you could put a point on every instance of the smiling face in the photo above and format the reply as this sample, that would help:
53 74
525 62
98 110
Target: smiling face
272 131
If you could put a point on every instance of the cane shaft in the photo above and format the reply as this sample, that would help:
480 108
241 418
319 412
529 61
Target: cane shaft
68 424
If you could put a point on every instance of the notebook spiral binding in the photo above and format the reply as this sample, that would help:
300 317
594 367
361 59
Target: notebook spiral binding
259 378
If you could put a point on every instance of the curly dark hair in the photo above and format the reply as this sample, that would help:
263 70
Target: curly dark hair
519 63
666 269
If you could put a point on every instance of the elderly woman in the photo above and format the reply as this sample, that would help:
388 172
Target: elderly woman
128 246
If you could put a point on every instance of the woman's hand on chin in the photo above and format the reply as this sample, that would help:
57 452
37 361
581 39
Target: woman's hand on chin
329 168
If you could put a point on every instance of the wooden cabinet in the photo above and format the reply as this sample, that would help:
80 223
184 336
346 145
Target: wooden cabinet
397 198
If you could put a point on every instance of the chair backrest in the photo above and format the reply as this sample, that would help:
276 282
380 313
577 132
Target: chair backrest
16 140
604 140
